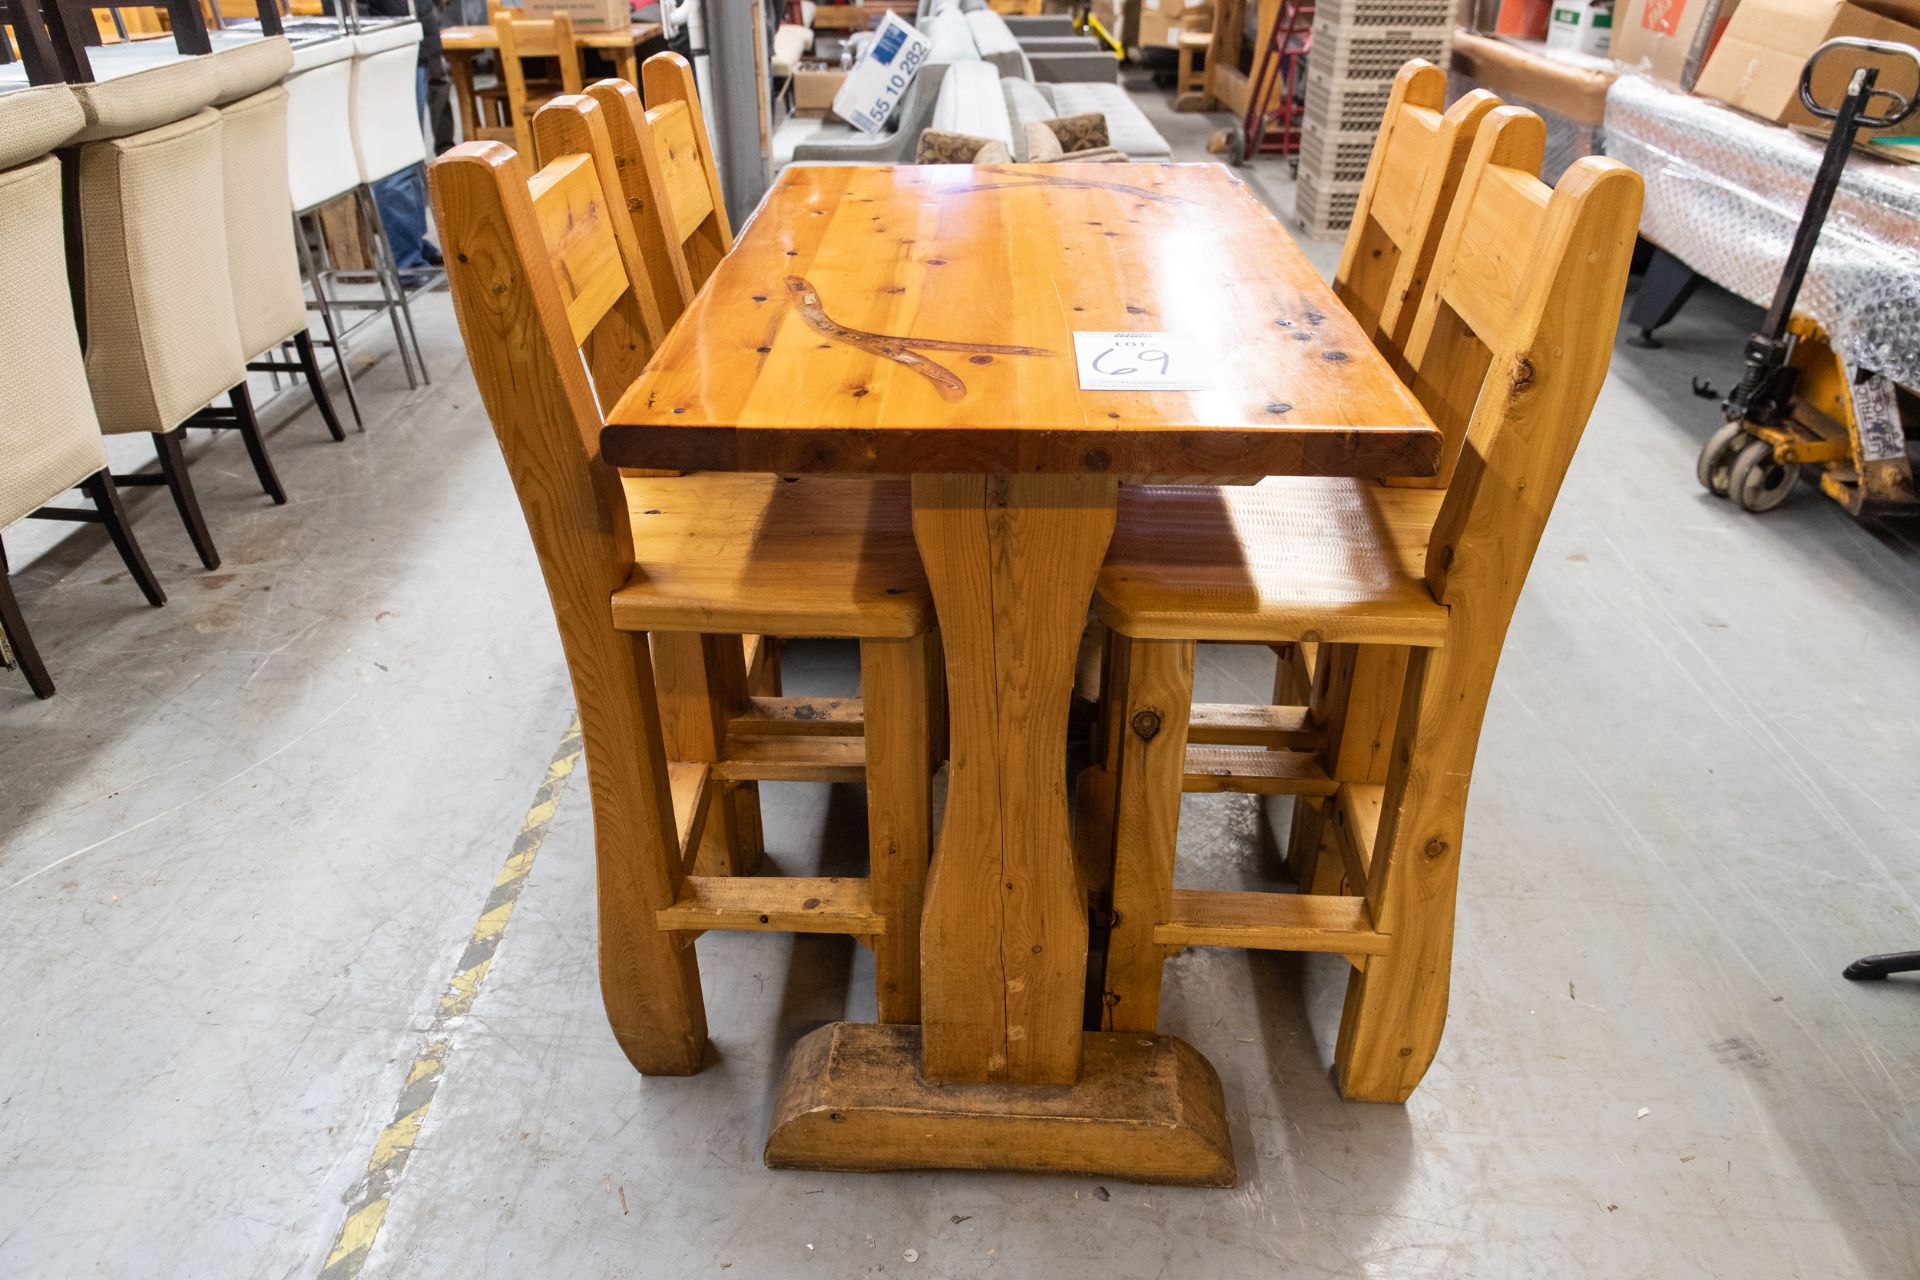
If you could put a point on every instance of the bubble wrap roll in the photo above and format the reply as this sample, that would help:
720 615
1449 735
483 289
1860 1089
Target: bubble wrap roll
1725 192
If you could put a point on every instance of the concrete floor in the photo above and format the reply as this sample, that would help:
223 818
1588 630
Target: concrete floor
246 846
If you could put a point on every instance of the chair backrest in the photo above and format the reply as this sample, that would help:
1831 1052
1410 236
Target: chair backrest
534 38
536 271
575 125
539 277
1411 179
1510 349
560 128
684 158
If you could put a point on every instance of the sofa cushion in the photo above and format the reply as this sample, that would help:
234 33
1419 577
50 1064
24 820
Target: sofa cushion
1042 144
996 43
936 147
35 121
970 103
48 435
1080 133
380 39
1026 105
1127 126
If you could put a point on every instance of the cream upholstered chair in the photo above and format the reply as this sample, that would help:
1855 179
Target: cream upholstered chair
154 285
387 139
49 438
321 168
269 304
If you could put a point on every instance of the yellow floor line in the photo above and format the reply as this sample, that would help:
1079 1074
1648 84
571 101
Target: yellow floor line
368 1200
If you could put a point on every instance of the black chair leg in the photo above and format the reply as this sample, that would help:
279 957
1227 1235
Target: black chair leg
310 369
1881 966
21 642
106 498
173 467
242 401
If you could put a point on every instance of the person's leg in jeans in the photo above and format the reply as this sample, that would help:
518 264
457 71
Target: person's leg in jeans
402 201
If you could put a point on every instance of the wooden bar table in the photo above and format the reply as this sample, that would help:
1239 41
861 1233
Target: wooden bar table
463 44
920 321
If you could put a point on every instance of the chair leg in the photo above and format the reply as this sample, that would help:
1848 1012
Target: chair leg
327 322
649 978
310 369
392 288
1396 1007
1355 699
703 684
173 468
1152 724
106 499
894 675
20 640
249 426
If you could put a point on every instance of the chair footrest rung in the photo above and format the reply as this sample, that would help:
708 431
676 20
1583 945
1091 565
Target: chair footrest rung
799 717
793 758
1231 724
1270 922
1254 771
775 904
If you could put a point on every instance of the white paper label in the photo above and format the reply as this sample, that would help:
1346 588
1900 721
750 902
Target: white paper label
1140 362
1877 410
877 83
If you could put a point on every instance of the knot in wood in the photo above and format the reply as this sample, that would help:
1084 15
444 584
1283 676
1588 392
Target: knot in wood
1436 847
1522 373
1146 724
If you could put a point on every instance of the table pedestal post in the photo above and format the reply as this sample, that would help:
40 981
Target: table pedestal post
1003 1075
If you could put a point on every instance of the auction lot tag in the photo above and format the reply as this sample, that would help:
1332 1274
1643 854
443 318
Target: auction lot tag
1140 362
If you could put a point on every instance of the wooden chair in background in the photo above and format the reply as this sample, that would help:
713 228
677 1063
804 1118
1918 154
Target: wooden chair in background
513 101
1507 354
1411 181
543 285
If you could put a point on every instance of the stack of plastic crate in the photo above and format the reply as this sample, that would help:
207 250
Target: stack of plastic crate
1358 48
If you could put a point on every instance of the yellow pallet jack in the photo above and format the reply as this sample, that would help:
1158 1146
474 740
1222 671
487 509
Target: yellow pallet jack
1798 403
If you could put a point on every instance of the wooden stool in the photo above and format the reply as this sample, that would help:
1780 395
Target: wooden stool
1508 362
542 276
1190 75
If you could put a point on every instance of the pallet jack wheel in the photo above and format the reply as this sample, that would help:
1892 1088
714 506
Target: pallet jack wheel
1237 148
1714 470
1759 482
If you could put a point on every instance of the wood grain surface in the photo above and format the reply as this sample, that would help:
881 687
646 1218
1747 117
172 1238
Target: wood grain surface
868 319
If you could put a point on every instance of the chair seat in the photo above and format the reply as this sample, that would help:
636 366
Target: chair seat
1291 558
813 555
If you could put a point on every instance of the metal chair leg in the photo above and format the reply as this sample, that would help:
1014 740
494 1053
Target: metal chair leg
385 272
335 337
106 499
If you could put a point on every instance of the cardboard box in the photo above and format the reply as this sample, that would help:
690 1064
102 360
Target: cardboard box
1756 66
1162 21
814 88
587 15
1581 26
881 78
1669 40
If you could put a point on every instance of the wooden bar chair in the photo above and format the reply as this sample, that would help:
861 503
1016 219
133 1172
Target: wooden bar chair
515 99
1507 354
677 228
1412 177
544 289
